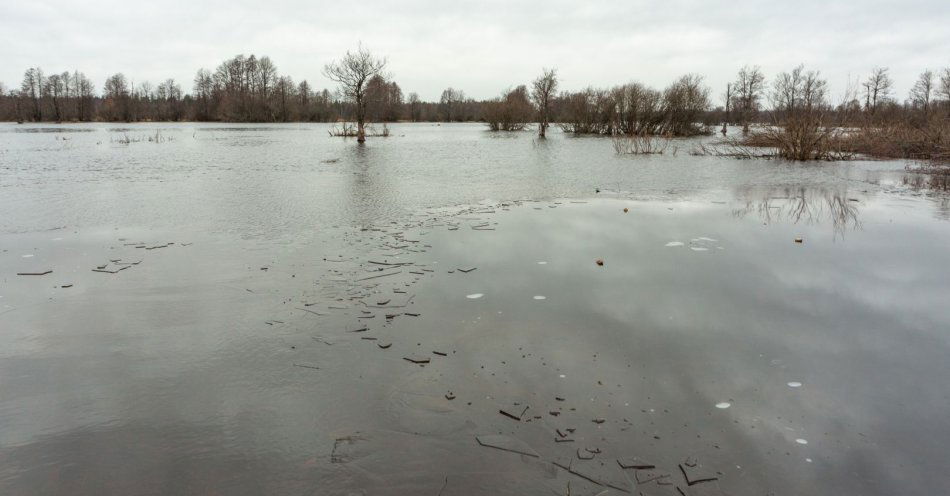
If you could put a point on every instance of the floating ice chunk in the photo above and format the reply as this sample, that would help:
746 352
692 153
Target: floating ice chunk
723 405
562 376
28 255
698 248
474 296
794 384
801 441
675 243
707 239
808 460
542 262
539 297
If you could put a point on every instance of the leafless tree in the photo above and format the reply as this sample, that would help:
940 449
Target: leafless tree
727 98
799 90
284 94
749 85
684 102
542 94
117 94
83 90
202 92
53 90
943 90
168 96
264 80
352 72
923 90
383 100
877 88
32 88
449 103
415 107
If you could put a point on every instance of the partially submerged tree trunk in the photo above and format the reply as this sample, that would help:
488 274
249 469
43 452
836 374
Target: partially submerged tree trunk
542 92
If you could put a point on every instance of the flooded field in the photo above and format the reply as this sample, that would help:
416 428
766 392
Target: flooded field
220 309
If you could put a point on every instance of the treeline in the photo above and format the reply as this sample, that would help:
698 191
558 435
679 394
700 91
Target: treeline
250 89
803 123
241 89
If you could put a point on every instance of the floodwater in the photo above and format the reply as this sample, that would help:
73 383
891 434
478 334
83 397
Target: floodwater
241 309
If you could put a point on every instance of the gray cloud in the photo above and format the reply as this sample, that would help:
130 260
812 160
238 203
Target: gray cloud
481 47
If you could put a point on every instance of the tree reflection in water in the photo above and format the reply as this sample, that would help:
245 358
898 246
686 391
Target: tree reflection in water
801 204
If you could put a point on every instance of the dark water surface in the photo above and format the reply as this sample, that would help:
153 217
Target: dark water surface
225 354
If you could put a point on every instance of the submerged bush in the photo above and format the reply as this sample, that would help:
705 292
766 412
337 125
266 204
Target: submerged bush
636 110
510 112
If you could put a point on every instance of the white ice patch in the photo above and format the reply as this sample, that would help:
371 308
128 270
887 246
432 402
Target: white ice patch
794 384
539 297
801 441
808 460
28 255
542 263
675 243
474 296
723 405
702 244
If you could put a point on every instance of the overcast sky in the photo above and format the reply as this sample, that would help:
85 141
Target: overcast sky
480 47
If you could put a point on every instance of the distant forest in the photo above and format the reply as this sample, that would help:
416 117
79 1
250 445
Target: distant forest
250 89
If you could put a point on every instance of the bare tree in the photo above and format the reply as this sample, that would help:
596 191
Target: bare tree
802 130
944 88
265 80
83 90
284 93
415 107
685 101
304 94
53 89
923 90
32 88
117 94
799 90
449 103
728 114
877 87
352 73
542 93
749 85
203 91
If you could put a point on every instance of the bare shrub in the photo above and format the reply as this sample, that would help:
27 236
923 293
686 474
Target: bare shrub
640 144
635 109
926 140
510 112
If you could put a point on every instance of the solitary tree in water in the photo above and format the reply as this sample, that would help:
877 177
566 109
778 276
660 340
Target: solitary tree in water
352 72
542 92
